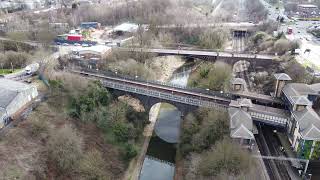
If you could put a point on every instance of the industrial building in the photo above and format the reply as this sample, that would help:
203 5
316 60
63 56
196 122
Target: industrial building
308 10
14 96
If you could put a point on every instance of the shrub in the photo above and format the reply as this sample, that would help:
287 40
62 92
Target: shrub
225 157
38 127
130 151
64 149
120 131
93 167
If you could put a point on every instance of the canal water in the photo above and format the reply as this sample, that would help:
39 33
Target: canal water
159 163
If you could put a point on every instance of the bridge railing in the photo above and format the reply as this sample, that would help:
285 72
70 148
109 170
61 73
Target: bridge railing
272 119
196 90
245 54
171 96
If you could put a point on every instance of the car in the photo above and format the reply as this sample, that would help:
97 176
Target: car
77 44
85 45
65 44
298 31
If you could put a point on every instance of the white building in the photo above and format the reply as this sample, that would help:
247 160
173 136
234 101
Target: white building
13 97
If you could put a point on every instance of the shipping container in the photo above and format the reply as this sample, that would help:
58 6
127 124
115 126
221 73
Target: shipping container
74 37
87 25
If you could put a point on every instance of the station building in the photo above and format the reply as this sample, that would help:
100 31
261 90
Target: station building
303 122
14 96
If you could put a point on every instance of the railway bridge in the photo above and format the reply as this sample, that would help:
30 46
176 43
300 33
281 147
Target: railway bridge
209 55
186 99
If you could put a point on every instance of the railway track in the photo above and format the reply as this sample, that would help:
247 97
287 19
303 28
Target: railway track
269 145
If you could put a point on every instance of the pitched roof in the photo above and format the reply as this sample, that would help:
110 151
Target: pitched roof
241 125
298 89
312 133
238 81
9 89
244 102
241 132
301 100
309 123
126 27
298 92
6 96
282 77
315 87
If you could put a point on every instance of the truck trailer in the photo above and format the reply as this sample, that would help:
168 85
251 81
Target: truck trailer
74 37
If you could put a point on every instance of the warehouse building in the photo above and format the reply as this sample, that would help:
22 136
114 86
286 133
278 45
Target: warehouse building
14 96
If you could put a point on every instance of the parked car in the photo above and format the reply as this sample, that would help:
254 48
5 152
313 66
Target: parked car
77 44
85 45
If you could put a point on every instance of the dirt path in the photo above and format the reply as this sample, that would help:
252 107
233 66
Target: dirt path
168 65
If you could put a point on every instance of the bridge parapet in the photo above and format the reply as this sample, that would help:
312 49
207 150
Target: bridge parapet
104 74
268 119
173 96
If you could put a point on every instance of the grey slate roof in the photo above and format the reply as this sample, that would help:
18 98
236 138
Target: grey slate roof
309 123
295 90
241 125
238 81
301 100
298 89
282 77
241 132
9 90
315 87
6 96
243 102
13 85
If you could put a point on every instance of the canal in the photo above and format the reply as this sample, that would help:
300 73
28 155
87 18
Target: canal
159 163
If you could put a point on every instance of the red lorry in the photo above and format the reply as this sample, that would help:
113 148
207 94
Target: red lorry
74 37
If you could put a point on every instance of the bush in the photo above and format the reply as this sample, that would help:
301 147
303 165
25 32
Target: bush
64 149
120 131
226 157
38 127
93 167
130 151
14 59
203 129
281 46
213 39
214 77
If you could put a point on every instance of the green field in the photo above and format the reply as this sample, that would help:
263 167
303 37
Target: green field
8 71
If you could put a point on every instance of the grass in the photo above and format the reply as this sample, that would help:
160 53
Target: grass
8 71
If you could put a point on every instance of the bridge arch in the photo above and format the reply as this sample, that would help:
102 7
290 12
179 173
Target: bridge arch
166 115
167 121
148 101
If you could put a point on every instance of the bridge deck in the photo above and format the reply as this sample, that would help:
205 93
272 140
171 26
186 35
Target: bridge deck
269 115
262 97
200 53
